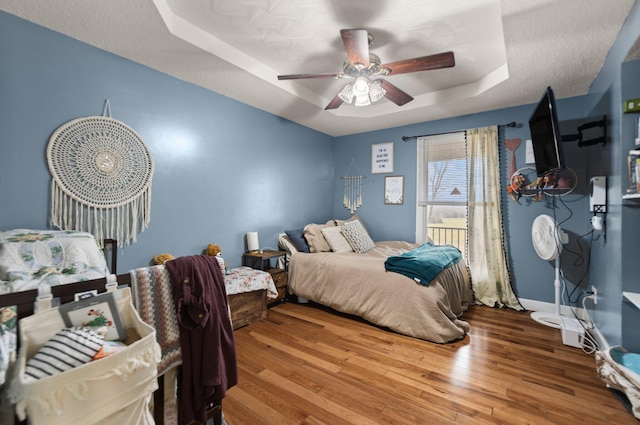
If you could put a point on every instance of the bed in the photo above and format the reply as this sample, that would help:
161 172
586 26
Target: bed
356 282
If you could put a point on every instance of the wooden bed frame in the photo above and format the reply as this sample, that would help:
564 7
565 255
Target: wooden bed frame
24 305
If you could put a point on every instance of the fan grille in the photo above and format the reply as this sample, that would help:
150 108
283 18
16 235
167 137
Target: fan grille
544 234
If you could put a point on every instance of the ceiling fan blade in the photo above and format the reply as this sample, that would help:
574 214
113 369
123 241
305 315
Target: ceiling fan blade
299 76
356 43
394 94
335 103
424 63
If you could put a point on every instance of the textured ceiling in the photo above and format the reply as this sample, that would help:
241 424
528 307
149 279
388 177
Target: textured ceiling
506 51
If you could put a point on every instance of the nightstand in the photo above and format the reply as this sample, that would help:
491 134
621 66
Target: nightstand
262 261
279 277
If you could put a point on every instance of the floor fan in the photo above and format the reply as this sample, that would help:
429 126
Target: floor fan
548 239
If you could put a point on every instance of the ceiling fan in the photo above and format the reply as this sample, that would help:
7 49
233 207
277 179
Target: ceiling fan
365 69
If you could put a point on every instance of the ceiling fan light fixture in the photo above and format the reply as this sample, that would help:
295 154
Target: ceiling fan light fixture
362 99
346 94
376 92
360 86
363 67
364 91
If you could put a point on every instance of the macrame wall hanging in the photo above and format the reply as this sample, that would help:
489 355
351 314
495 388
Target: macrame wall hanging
352 199
101 178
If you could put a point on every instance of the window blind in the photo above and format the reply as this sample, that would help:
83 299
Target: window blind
437 149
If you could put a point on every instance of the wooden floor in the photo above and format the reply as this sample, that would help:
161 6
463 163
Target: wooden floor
306 365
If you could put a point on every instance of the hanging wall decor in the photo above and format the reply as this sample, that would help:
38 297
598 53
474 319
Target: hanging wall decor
512 145
352 199
101 178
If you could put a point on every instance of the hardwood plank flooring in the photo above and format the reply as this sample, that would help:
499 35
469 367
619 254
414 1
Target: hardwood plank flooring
305 364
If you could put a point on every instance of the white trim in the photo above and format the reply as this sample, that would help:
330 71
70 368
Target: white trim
545 307
533 305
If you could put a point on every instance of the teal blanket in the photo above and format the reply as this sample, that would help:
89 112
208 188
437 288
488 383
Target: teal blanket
424 263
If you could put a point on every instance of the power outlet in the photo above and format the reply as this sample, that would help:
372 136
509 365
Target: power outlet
595 294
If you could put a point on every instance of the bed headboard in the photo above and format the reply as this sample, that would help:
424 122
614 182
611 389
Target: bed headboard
110 250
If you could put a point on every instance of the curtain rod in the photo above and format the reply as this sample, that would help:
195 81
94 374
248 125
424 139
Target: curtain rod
405 138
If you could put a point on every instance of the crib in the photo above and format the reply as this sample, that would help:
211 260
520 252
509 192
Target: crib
21 304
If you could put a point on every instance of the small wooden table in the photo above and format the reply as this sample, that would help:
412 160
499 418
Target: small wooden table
261 260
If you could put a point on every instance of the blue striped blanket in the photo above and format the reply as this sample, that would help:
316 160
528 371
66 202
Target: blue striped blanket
424 263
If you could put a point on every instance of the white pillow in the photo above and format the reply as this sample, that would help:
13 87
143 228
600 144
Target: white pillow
315 239
357 237
336 239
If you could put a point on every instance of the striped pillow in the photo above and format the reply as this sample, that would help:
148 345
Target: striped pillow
67 349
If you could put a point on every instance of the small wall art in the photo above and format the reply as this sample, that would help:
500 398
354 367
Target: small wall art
382 158
394 190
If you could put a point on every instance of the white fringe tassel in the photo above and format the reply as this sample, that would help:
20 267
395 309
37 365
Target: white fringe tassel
121 223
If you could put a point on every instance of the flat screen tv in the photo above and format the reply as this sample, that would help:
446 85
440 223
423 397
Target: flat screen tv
545 135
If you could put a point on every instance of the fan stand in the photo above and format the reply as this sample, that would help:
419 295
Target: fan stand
553 320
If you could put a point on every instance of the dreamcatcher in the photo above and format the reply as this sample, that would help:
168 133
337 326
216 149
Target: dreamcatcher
101 178
352 199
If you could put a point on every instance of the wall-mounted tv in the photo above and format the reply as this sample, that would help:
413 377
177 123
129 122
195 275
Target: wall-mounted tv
545 135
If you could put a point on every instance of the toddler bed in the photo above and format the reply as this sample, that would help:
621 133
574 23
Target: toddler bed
352 278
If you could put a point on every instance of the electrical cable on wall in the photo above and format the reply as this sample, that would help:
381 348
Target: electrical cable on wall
352 199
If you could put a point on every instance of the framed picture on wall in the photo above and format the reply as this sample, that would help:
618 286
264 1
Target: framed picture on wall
382 158
394 190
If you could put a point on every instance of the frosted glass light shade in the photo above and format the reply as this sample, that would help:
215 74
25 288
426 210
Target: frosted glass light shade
252 242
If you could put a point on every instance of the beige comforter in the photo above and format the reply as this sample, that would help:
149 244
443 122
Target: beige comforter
358 284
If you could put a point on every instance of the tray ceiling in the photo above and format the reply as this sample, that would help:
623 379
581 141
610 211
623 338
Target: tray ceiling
506 51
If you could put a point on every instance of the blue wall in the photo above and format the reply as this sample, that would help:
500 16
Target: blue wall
222 168
630 212
612 264
533 277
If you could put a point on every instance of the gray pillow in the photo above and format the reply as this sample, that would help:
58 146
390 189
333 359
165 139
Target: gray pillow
298 240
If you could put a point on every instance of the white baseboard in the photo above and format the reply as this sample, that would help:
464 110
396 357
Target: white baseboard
580 313
534 305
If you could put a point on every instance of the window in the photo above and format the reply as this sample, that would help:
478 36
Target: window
441 210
